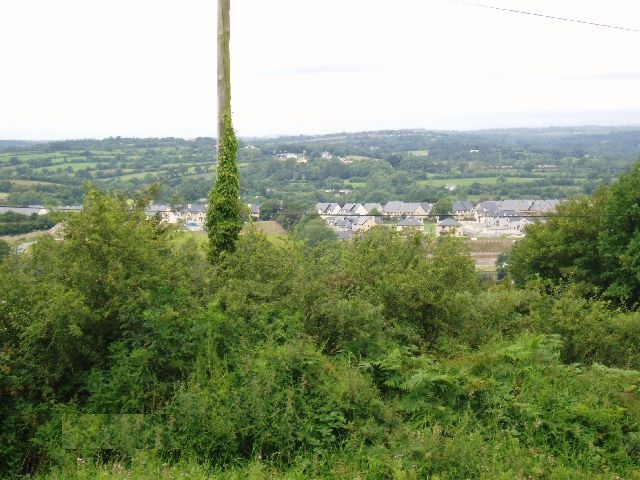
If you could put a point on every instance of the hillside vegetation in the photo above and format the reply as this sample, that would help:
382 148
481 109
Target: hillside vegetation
124 353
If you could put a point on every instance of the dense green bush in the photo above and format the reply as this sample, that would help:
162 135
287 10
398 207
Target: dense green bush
100 320
16 224
274 399
590 244
123 352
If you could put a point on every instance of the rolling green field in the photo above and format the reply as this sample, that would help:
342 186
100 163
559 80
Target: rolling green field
31 183
404 165
440 182
419 153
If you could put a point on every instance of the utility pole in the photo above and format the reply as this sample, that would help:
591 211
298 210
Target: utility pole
224 65
224 220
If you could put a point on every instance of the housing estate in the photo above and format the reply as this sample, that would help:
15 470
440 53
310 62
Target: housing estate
491 218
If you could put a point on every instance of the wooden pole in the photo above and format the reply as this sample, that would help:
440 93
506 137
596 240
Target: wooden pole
224 65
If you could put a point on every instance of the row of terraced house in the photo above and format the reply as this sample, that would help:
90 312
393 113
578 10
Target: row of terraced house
506 216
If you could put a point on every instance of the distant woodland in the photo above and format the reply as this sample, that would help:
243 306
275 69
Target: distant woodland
412 165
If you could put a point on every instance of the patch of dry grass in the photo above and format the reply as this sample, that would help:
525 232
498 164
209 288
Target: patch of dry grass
269 227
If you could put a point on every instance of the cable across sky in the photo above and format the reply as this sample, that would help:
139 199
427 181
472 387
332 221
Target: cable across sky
542 15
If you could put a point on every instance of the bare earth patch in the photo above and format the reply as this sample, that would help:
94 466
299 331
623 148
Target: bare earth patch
485 251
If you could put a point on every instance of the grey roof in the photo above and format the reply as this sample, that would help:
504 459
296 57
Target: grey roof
158 207
544 205
195 208
487 205
493 212
501 213
410 222
411 207
503 207
23 210
372 206
448 222
344 223
402 208
516 205
352 207
359 219
393 206
254 208
462 206
325 208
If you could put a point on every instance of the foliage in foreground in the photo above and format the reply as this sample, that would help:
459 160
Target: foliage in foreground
591 244
17 224
125 353
223 214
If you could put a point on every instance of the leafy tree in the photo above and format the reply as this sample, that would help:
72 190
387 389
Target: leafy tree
99 319
394 159
269 209
5 249
313 230
291 212
564 248
592 243
442 207
619 239
501 266
16 224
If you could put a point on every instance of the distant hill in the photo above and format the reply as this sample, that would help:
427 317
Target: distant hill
408 165
13 144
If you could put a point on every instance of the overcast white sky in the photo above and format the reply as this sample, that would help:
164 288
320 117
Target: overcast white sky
99 68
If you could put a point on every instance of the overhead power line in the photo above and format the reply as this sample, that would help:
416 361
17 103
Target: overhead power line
542 15
291 213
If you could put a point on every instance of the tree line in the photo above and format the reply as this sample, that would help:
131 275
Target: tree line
407 165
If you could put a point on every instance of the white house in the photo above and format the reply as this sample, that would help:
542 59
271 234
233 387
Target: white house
194 216
462 209
165 212
404 209
362 223
254 210
517 224
328 209
540 207
354 209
